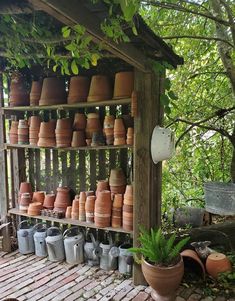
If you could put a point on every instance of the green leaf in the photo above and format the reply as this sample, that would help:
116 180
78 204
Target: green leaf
172 95
71 47
94 59
167 84
134 30
74 67
164 99
66 33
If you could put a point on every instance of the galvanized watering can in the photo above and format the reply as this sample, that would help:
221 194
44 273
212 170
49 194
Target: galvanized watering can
91 251
55 244
108 255
25 237
73 245
125 259
39 240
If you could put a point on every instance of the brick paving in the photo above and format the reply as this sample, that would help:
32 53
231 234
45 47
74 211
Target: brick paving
27 277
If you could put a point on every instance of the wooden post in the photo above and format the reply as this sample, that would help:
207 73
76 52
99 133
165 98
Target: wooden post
147 175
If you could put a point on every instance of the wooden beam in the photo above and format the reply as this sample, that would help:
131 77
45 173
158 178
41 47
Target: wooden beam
74 12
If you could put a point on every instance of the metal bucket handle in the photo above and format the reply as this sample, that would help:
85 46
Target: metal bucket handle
69 230
36 227
55 228
21 223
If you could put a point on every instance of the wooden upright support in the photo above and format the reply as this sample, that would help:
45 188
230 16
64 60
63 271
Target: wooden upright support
147 175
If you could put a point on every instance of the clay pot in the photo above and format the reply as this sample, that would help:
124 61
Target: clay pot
25 199
53 92
100 88
78 89
13 133
25 187
35 93
34 122
18 93
23 132
90 208
191 256
130 136
117 177
39 196
82 202
35 209
217 263
97 139
75 208
62 200
124 85
63 132
68 212
118 201
128 196
93 124
47 134
127 217
164 281
34 128
78 139
117 189
90 193
102 185
116 220
103 208
109 129
119 132
64 124
79 123
49 201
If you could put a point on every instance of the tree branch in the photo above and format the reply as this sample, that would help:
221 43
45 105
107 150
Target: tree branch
208 72
230 18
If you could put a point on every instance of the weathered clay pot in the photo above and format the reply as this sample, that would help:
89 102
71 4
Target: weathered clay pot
124 85
78 89
100 88
128 196
109 129
117 177
68 212
75 208
78 139
127 217
102 185
25 187
90 208
35 208
18 92
35 93
130 136
93 124
217 263
25 199
53 92
79 123
191 256
116 221
23 132
47 134
13 133
164 281
103 208
82 202
39 196
34 127
62 200
118 201
63 132
117 189
119 132
49 201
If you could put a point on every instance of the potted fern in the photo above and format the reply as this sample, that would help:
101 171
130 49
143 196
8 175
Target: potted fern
161 262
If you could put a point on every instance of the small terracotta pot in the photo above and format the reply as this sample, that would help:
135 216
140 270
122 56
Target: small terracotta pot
78 89
109 123
26 187
25 199
217 263
93 124
102 185
47 129
103 208
39 196
49 201
53 92
63 124
90 208
75 205
35 209
18 93
35 93
79 123
119 141
119 127
13 133
192 256
124 85
118 201
117 177
34 122
117 189
68 212
100 88
78 139
62 200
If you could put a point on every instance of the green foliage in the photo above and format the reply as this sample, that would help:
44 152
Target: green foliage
158 249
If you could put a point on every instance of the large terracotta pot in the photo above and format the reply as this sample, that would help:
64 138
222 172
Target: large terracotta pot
164 281
49 201
82 202
93 124
103 207
53 92
90 208
35 93
18 92
100 88
47 134
124 85
79 123
191 258
78 139
78 89
217 263
34 127
62 200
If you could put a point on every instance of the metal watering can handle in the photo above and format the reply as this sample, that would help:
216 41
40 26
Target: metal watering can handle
53 228
23 222
93 239
69 230
39 224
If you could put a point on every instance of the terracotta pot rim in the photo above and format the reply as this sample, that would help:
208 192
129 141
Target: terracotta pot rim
162 268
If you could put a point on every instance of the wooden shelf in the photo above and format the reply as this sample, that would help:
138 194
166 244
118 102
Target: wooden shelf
113 102
69 221
28 146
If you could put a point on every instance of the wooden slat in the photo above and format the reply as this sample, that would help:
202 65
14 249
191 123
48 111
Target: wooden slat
48 178
92 170
31 170
63 158
82 172
19 172
56 172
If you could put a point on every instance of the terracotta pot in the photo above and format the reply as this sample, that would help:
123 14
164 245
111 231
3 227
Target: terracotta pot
119 141
118 201
217 263
90 208
90 193
102 185
13 133
164 281
117 189
117 177
18 93
79 123
78 89
47 134
23 132
34 122
25 199
103 207
49 201
109 123
130 136
193 257
64 124
75 208
93 124
82 202
78 139
53 92
124 85
62 200
68 212
119 128
116 217
127 217
35 209
100 88
26 187
35 93
39 196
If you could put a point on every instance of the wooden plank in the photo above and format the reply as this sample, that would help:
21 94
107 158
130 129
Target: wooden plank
92 170
63 107
67 221
31 170
38 169
71 13
63 158
82 172
72 170
56 172
48 177
147 176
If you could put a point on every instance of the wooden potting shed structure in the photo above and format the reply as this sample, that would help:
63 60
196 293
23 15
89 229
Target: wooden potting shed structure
81 168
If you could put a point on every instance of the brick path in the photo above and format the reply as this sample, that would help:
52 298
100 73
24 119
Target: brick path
32 278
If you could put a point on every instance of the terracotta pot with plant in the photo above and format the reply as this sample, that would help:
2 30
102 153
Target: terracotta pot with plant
161 262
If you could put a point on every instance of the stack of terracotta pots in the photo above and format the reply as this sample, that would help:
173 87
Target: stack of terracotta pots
35 93
100 88
35 208
53 92
128 209
130 136
102 185
75 208
47 134
93 124
13 133
117 181
124 84
103 208
25 187
34 127
78 139
78 89
62 200
18 93
82 203
90 208
25 200
109 129
119 132
23 132
79 126
38 197
49 201
68 213
117 211
63 132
